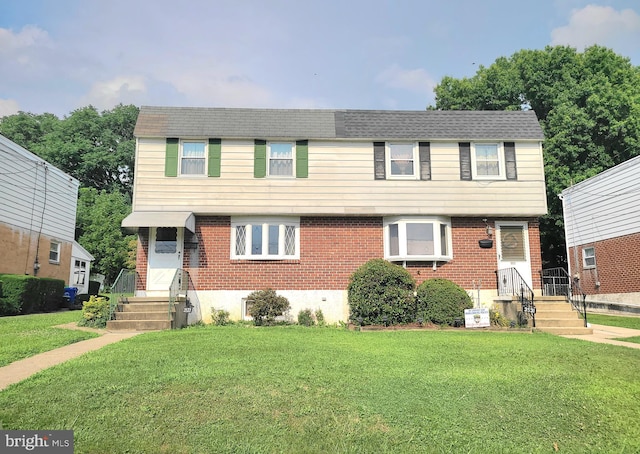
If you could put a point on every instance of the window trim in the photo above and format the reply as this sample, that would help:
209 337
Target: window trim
592 256
501 162
205 154
264 222
293 144
55 261
402 221
415 159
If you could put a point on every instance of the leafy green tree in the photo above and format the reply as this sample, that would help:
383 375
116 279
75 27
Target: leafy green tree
588 105
98 221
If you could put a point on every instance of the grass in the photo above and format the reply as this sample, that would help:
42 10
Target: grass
614 320
28 335
294 389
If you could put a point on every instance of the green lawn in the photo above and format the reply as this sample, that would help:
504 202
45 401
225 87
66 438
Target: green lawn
294 389
27 335
614 320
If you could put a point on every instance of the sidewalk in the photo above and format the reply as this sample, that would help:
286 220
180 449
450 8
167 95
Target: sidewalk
24 368
606 334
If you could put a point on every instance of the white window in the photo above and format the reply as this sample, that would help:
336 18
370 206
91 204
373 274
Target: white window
487 161
281 162
192 158
80 272
54 252
402 160
265 238
589 257
417 238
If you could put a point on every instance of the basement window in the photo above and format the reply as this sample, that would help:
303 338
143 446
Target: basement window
589 257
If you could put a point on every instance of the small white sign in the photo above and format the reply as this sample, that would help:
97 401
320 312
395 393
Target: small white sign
477 318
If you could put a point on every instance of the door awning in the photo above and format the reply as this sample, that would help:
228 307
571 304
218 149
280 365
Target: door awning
139 219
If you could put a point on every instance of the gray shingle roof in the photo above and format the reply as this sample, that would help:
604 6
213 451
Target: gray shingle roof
336 124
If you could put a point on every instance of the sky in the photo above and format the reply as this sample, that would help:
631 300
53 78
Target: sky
60 55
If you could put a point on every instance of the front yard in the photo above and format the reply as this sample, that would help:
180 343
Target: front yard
295 389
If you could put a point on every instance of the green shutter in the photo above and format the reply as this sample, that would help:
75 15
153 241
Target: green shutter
302 159
215 151
260 159
171 158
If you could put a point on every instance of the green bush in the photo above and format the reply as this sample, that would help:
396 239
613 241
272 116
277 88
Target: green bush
497 319
220 317
266 305
23 294
381 293
441 301
95 312
320 317
305 318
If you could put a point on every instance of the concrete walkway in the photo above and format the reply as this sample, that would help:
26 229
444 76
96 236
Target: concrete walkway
606 334
24 368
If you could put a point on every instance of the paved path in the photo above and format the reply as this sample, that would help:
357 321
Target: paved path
24 368
607 334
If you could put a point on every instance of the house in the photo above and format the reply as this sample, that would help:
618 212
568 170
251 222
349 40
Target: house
602 231
37 215
297 200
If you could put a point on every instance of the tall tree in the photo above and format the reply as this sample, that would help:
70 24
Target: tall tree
588 105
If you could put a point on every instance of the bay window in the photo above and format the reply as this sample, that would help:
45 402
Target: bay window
417 238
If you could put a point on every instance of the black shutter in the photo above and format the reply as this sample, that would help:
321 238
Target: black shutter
510 160
379 161
465 160
424 149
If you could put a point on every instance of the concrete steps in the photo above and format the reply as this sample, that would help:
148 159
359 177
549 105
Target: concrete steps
555 315
144 314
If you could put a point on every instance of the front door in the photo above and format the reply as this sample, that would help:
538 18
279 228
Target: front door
165 256
513 248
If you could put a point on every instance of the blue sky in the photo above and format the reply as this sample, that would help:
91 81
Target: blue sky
56 56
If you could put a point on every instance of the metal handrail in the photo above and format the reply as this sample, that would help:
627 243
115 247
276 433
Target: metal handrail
511 283
123 287
557 281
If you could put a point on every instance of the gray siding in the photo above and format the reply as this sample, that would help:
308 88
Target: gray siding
605 206
34 195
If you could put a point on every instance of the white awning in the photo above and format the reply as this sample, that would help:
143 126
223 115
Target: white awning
138 219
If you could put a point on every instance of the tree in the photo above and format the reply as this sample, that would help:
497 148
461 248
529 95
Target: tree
588 105
98 221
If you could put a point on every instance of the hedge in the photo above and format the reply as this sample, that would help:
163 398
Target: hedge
22 294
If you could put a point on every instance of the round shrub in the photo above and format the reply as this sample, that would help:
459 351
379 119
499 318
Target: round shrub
381 293
441 301
266 305
305 318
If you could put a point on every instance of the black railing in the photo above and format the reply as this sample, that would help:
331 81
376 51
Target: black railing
123 287
556 282
511 283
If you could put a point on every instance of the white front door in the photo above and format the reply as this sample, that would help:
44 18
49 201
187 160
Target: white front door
165 256
513 248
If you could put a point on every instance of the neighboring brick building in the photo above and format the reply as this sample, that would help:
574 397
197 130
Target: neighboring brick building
602 228
297 200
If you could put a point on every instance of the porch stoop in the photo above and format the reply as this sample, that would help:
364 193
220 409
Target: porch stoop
555 315
144 314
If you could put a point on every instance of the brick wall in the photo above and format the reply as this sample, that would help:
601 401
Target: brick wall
617 266
331 249
141 257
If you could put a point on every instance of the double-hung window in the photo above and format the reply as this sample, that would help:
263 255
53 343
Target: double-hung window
54 252
281 159
589 257
417 238
193 158
402 160
255 238
488 161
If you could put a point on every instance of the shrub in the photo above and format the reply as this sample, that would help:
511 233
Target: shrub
441 301
381 293
320 317
498 319
27 294
266 305
220 317
95 312
305 318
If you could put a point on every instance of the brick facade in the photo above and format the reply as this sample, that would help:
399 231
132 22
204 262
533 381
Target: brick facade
331 249
616 269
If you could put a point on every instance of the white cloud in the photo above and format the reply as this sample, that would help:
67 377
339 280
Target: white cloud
600 25
8 107
29 37
121 89
414 80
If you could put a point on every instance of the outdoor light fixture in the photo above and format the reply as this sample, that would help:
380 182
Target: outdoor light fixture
487 243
